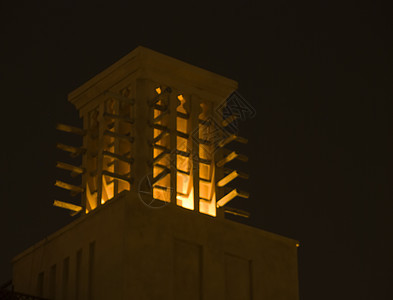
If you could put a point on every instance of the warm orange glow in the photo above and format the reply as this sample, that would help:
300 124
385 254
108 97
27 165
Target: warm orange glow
205 189
181 98
114 170
161 194
227 179
107 190
207 195
208 207
73 207
182 144
183 163
185 188
298 245
91 201
161 188
228 197
186 201
108 185
232 194
182 125
204 171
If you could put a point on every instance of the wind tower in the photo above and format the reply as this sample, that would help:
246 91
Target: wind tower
156 178
154 124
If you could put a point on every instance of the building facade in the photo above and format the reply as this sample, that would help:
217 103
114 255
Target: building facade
155 177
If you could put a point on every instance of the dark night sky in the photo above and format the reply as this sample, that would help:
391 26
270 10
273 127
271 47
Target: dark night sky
319 75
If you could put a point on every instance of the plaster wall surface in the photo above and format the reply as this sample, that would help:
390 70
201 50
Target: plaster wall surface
104 228
166 253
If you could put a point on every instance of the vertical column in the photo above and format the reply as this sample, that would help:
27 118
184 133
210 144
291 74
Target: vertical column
143 152
101 128
116 111
194 124
173 103
219 172
108 146
91 159
125 138
159 121
206 136
84 162
184 173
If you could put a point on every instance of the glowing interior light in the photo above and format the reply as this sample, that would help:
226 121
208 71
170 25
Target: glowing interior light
91 201
161 188
186 201
208 207
298 245
107 190
182 125
207 194
184 184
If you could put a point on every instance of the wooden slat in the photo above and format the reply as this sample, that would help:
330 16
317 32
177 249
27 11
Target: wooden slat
231 195
160 107
160 176
160 127
69 206
70 129
231 156
70 187
161 147
182 153
117 176
160 156
71 149
119 157
228 120
182 134
182 115
160 136
237 212
231 176
120 136
68 167
161 116
232 137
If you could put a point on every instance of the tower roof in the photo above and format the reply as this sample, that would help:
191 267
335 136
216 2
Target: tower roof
143 63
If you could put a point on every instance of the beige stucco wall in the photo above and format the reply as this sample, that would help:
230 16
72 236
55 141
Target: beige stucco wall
167 253
104 227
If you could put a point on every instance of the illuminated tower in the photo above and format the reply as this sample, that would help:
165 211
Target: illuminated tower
155 179
153 122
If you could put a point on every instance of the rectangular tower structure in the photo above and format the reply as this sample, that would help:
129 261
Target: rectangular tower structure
155 178
149 121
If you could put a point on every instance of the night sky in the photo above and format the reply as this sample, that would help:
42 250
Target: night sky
318 73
